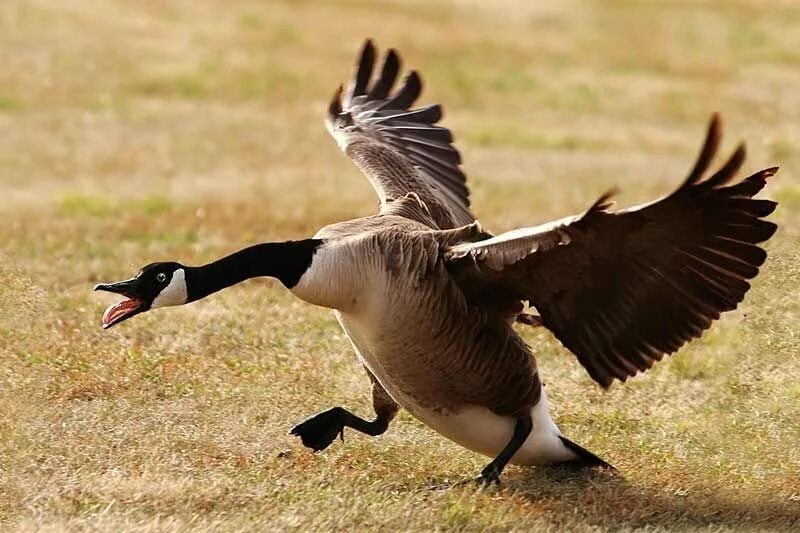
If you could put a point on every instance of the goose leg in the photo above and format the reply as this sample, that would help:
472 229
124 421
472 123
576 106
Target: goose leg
318 431
523 428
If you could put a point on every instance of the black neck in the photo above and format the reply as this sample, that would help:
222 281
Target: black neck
286 261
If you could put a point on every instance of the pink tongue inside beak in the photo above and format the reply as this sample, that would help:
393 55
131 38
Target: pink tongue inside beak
119 310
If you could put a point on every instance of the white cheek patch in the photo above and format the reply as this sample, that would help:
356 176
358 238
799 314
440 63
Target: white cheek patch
173 294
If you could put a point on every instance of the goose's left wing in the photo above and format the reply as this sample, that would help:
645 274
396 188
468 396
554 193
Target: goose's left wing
401 150
621 289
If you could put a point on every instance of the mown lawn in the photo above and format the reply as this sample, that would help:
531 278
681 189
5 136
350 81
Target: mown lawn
136 130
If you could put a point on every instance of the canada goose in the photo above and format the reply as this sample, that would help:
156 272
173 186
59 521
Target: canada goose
428 298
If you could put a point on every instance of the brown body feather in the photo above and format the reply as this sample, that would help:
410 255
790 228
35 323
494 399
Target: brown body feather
414 328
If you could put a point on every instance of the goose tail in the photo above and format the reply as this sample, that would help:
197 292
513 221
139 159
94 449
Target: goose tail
585 457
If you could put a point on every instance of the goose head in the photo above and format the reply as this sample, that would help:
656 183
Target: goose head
156 285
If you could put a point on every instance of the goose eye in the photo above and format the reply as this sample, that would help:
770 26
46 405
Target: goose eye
161 277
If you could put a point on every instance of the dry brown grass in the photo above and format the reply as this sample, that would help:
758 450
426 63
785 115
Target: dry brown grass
133 131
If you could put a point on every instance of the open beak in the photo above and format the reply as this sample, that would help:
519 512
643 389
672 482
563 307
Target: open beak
124 309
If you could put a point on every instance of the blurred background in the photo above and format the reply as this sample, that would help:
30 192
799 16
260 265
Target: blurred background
137 131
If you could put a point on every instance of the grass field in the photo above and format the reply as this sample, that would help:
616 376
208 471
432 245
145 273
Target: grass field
136 130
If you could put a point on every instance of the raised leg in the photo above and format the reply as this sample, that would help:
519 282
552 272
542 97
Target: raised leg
318 431
523 428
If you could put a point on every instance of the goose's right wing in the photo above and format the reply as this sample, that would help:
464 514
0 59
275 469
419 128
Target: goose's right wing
401 150
621 289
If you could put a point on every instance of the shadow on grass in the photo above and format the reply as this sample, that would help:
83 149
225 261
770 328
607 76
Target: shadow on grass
607 500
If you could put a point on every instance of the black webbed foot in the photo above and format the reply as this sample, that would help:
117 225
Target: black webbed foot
318 431
489 476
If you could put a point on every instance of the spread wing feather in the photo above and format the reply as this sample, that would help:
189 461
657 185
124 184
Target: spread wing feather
401 150
621 289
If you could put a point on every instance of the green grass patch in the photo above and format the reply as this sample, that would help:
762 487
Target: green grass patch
166 238
250 21
489 134
100 206
79 204
782 150
10 103
185 86
788 197
153 205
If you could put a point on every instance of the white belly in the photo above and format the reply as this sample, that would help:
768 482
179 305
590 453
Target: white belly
473 427
480 430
